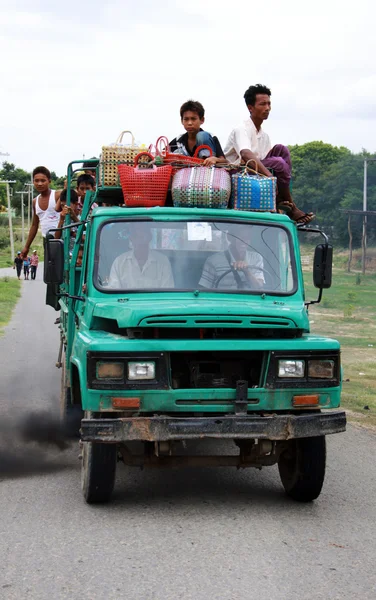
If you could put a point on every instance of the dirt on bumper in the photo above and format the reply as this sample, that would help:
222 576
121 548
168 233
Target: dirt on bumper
162 428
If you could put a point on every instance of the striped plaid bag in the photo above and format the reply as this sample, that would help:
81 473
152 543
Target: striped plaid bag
201 187
252 191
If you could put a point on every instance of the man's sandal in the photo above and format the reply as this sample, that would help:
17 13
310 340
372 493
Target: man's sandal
307 218
297 215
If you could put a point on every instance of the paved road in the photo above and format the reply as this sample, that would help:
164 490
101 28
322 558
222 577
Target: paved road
191 534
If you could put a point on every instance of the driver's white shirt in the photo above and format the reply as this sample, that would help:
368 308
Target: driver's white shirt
218 264
126 273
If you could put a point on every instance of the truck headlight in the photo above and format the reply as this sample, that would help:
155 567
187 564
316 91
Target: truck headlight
291 368
109 370
321 369
141 370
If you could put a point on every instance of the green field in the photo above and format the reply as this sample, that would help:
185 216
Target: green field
5 256
10 290
348 314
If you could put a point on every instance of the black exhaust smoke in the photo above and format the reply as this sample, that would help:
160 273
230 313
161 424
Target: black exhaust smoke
28 445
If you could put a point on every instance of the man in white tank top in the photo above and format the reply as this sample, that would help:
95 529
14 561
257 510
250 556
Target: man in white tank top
44 212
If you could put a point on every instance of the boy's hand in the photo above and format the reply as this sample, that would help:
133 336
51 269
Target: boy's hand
65 212
210 161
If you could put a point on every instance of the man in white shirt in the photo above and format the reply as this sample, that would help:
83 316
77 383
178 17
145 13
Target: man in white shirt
140 268
250 142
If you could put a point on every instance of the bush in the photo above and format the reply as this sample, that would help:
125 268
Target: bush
4 238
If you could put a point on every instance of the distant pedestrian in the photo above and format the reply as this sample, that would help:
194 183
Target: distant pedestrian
18 262
26 266
34 260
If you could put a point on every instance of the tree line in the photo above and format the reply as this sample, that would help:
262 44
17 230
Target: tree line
326 180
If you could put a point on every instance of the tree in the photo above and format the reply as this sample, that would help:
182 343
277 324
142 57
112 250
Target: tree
326 179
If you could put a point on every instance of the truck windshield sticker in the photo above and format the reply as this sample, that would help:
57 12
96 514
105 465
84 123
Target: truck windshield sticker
199 231
178 255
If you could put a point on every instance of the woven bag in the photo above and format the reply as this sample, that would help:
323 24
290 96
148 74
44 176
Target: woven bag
201 187
144 185
251 191
114 155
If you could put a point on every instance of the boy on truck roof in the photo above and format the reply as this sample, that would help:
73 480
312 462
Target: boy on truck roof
192 116
250 142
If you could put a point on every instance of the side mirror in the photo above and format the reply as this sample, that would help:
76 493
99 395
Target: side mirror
322 266
54 261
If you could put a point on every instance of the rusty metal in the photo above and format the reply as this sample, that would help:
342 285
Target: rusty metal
163 428
145 460
241 398
58 363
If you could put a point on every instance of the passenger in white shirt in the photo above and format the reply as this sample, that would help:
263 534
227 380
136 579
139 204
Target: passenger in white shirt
250 142
141 268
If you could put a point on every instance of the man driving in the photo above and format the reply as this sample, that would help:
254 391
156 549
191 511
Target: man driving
140 267
239 267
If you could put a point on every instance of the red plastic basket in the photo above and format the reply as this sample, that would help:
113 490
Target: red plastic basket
178 161
144 185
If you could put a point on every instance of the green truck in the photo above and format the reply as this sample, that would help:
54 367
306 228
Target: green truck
183 325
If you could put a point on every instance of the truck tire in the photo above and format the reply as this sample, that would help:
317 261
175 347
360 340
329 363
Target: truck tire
71 414
302 468
98 471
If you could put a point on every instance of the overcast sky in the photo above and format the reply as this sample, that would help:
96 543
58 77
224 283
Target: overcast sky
76 73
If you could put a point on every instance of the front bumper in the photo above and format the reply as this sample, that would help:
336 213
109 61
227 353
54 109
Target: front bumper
160 428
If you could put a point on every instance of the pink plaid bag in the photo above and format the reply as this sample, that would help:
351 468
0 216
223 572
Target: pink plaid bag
201 187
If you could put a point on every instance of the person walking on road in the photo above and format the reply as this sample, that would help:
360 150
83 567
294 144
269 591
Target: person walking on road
34 260
18 262
26 266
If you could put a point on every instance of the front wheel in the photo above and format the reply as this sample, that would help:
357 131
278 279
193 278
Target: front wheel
98 471
302 468
71 414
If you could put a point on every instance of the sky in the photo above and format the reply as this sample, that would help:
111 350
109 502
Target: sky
75 74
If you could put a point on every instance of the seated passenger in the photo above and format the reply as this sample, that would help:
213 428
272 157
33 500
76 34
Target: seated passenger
250 142
85 183
73 211
192 117
141 268
236 268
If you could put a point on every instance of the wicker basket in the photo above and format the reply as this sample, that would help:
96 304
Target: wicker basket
144 185
114 155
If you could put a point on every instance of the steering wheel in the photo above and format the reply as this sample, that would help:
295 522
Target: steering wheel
254 268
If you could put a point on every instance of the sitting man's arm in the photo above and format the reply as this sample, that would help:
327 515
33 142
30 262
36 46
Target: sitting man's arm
243 148
114 280
247 155
209 275
167 278
219 158
253 269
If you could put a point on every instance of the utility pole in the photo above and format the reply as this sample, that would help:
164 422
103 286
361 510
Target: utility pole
364 234
22 215
29 200
7 182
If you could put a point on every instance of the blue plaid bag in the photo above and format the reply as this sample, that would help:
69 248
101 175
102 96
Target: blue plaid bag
253 192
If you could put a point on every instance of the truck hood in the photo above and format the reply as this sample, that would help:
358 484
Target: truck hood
257 311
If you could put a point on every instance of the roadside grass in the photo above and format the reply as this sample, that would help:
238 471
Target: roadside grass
10 291
347 313
5 256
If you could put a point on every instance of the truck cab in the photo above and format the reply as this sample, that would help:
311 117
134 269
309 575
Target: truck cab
183 325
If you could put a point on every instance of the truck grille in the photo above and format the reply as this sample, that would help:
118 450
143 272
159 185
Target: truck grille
191 370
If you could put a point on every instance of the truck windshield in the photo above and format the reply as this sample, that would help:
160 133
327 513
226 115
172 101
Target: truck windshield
216 256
